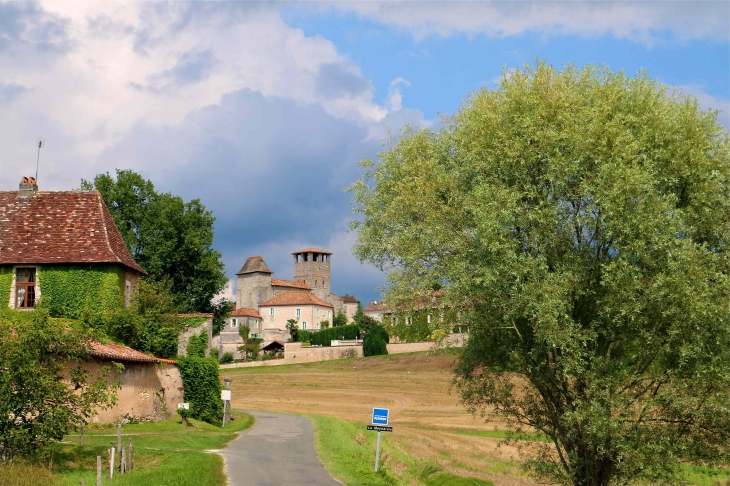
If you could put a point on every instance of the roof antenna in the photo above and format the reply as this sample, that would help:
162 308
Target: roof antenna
37 161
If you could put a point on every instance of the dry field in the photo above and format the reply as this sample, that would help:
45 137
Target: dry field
430 426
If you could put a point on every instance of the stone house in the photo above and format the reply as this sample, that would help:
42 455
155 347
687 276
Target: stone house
65 246
374 310
151 387
349 307
308 310
194 325
229 339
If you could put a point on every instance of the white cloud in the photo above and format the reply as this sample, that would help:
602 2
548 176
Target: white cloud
395 98
644 21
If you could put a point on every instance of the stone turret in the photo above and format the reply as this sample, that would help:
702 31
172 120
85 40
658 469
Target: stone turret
312 266
254 283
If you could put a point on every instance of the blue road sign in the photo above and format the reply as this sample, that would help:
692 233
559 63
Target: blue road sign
380 416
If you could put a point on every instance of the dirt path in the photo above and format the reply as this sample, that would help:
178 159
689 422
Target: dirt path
277 450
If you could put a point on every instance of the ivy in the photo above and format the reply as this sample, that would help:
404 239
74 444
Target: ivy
202 388
191 322
6 280
198 345
72 290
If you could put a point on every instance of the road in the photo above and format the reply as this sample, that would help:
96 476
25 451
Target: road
278 450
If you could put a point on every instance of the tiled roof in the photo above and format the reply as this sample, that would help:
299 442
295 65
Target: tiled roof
60 227
374 307
350 300
245 312
290 283
123 353
295 298
254 264
312 250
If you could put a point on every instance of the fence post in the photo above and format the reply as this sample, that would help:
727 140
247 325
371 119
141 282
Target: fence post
83 482
98 470
119 437
131 455
81 434
112 453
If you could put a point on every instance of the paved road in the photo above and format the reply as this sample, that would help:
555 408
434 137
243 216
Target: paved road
278 450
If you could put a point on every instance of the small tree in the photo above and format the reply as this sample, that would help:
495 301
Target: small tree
375 342
324 324
340 319
293 327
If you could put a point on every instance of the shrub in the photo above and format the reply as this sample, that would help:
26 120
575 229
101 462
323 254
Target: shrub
227 358
202 388
198 345
325 336
375 342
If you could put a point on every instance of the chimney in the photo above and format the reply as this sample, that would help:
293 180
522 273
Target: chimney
27 188
373 302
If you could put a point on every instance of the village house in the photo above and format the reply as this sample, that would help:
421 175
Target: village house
65 246
374 310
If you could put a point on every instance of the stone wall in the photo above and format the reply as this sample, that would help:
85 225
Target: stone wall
184 338
150 391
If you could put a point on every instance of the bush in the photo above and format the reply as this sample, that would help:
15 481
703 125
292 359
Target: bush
375 342
325 336
198 345
202 388
227 358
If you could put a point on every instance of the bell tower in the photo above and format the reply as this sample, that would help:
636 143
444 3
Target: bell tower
312 266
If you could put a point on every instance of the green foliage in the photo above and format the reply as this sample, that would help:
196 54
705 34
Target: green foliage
202 388
244 331
252 348
77 289
227 358
419 328
169 238
293 327
325 336
198 345
149 325
324 324
365 323
221 312
6 280
374 343
41 393
184 414
340 319
579 221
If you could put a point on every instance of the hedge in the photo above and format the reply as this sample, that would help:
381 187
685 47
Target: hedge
325 336
375 342
202 388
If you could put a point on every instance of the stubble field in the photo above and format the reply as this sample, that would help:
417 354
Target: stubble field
430 428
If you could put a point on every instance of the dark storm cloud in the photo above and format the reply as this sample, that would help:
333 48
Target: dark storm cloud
27 27
335 80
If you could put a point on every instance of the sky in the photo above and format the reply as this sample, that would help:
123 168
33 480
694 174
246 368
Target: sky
263 110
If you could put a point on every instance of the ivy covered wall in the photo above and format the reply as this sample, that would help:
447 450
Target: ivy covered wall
6 280
69 290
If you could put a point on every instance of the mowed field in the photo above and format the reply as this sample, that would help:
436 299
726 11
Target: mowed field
430 427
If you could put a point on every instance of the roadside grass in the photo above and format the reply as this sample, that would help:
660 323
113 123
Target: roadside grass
165 454
706 476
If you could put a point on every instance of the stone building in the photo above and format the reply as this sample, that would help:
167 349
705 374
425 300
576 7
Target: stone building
306 298
63 245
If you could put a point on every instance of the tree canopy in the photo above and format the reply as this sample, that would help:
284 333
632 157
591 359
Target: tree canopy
578 219
171 239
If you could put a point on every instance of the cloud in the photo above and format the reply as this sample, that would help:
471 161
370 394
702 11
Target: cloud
339 79
8 92
395 99
644 22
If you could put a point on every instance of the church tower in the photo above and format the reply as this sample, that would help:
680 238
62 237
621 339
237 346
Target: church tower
254 283
312 266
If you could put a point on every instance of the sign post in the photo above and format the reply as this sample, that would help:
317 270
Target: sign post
226 397
380 423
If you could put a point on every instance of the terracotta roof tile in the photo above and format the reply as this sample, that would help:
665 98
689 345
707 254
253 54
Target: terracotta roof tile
123 353
254 264
295 298
60 227
374 307
350 300
245 312
290 283
312 250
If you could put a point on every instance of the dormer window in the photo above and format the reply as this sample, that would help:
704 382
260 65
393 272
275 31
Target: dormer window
25 288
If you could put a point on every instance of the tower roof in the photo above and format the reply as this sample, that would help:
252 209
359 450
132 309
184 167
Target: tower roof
311 250
254 264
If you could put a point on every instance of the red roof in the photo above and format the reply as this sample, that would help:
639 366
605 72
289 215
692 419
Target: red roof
312 250
374 307
254 264
290 283
295 298
349 300
123 353
60 227
245 312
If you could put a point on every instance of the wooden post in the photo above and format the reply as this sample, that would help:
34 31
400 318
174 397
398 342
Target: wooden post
83 482
112 454
98 470
81 434
119 437
122 461
131 455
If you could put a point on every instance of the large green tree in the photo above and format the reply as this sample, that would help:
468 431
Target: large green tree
170 238
578 220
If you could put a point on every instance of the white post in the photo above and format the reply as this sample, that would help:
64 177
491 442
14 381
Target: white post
377 453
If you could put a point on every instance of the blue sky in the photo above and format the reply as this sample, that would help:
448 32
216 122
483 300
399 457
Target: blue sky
262 110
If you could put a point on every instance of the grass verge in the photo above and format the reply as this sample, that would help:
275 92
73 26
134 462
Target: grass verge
165 454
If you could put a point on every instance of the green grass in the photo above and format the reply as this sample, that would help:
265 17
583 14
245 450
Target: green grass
706 476
165 454
447 479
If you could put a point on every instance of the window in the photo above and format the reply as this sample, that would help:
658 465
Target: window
304 324
25 288
298 313
317 312
271 311
234 323
316 325
329 314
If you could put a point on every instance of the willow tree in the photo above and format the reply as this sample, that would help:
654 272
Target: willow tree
578 219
